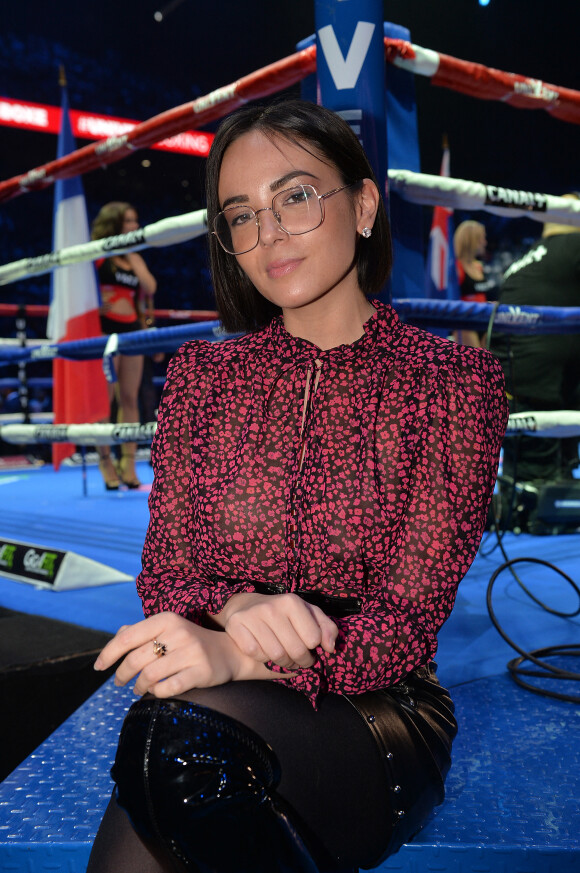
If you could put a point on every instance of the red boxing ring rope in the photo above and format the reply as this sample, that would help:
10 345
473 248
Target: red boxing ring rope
37 310
469 78
486 83
261 83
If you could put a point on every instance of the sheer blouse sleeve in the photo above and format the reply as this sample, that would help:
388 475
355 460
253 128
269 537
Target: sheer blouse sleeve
171 579
439 494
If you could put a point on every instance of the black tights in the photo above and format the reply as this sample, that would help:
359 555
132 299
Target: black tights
332 777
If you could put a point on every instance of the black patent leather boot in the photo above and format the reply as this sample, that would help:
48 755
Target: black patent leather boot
200 787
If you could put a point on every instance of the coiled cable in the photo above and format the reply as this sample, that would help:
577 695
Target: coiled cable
546 670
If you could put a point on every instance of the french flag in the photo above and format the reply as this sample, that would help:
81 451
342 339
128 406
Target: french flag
441 276
79 387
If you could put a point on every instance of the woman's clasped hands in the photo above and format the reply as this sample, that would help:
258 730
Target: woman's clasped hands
168 654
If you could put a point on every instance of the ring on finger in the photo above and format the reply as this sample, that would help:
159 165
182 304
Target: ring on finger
159 649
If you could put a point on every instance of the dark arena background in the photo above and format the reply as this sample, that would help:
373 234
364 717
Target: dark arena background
70 551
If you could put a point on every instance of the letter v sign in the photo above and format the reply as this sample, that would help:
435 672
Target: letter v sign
345 71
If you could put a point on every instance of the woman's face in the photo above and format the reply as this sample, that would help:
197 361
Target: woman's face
130 221
299 270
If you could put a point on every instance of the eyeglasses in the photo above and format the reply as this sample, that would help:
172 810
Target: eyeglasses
297 210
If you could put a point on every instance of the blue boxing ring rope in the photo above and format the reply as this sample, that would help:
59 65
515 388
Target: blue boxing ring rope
417 311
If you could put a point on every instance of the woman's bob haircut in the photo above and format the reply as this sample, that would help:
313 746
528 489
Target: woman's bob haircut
324 134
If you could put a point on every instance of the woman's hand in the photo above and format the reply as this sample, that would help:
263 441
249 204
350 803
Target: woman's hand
281 628
195 657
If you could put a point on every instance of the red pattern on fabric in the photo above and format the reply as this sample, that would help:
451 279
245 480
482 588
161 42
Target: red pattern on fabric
402 437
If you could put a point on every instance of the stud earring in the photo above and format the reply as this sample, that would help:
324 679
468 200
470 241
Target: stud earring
366 232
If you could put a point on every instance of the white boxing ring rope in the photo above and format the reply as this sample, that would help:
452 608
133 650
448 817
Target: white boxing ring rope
553 423
428 190
79 434
558 423
420 188
167 231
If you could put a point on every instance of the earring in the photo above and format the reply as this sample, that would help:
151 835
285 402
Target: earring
366 232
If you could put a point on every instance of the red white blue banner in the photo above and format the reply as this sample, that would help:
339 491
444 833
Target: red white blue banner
79 389
441 276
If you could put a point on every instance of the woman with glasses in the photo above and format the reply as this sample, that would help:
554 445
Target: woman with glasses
321 485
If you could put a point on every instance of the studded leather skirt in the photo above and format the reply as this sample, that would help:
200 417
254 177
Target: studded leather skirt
414 727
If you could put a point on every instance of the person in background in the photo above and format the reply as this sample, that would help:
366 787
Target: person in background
542 371
148 395
122 279
470 243
321 485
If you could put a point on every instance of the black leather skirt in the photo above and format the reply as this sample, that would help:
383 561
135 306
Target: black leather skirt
414 726
398 780
381 756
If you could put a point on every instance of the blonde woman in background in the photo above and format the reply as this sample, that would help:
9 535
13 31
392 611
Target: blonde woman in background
470 243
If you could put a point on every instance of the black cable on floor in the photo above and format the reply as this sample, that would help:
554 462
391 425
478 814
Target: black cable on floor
536 657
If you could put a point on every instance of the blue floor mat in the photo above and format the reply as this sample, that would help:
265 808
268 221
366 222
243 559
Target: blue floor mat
512 793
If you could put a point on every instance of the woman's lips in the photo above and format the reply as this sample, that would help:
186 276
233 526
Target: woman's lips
277 269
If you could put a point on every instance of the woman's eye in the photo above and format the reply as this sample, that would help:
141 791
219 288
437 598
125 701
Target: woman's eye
297 196
240 218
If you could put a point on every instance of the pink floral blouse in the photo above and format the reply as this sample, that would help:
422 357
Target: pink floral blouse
363 470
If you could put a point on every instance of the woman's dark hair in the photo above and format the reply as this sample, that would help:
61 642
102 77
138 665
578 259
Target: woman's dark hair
109 221
321 132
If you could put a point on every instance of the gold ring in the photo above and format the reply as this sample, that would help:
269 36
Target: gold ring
159 649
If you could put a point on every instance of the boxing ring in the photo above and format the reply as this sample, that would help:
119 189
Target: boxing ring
511 797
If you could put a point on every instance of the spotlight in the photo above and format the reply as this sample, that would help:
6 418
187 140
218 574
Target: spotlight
484 2
161 14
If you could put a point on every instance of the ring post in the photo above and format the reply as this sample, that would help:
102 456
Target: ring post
84 469
23 394
351 72
408 275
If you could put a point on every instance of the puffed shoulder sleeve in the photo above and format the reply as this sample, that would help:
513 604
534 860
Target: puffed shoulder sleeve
170 578
439 441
